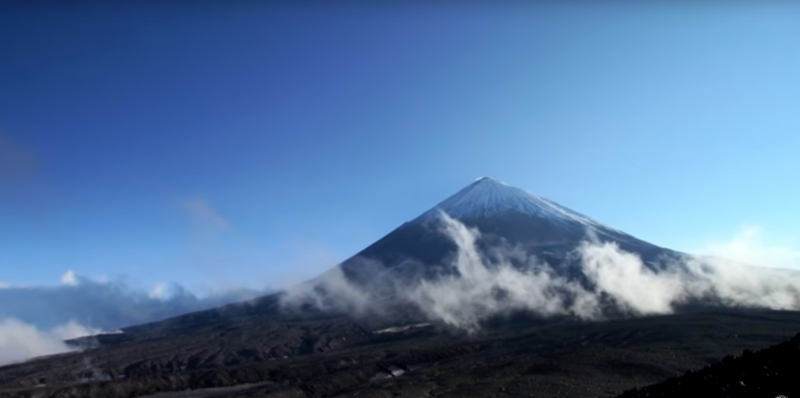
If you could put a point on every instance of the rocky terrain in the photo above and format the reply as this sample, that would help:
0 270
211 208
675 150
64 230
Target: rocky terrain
769 372
340 357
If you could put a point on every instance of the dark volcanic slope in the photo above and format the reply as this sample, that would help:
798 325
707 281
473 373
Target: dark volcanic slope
769 372
310 358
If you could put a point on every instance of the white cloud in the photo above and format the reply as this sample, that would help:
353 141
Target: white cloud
483 287
4 285
158 291
332 283
69 278
634 287
20 341
73 330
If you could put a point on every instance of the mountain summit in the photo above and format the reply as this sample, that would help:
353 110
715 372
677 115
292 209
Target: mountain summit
488 197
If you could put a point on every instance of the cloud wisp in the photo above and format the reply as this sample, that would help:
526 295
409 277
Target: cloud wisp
614 282
203 216
16 161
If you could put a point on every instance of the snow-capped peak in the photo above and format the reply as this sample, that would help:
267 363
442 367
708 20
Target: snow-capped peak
489 178
488 197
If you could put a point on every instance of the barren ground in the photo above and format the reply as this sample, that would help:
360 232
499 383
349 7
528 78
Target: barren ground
338 357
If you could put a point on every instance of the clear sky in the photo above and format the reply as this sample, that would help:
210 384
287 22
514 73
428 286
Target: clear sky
237 144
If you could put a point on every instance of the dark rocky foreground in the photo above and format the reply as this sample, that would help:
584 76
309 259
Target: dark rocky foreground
226 356
769 372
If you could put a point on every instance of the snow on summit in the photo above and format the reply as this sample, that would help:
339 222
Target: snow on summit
487 197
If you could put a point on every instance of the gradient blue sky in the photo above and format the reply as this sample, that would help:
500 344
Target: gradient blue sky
238 144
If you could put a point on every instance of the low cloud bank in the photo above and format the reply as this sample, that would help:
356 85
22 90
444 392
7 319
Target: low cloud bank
615 282
106 305
20 341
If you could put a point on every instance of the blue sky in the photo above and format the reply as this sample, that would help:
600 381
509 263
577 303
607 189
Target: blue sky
251 146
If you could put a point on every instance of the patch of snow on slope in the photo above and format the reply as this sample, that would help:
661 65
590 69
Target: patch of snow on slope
398 329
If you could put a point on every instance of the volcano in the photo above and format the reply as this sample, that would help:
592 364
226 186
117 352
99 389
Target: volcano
421 251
